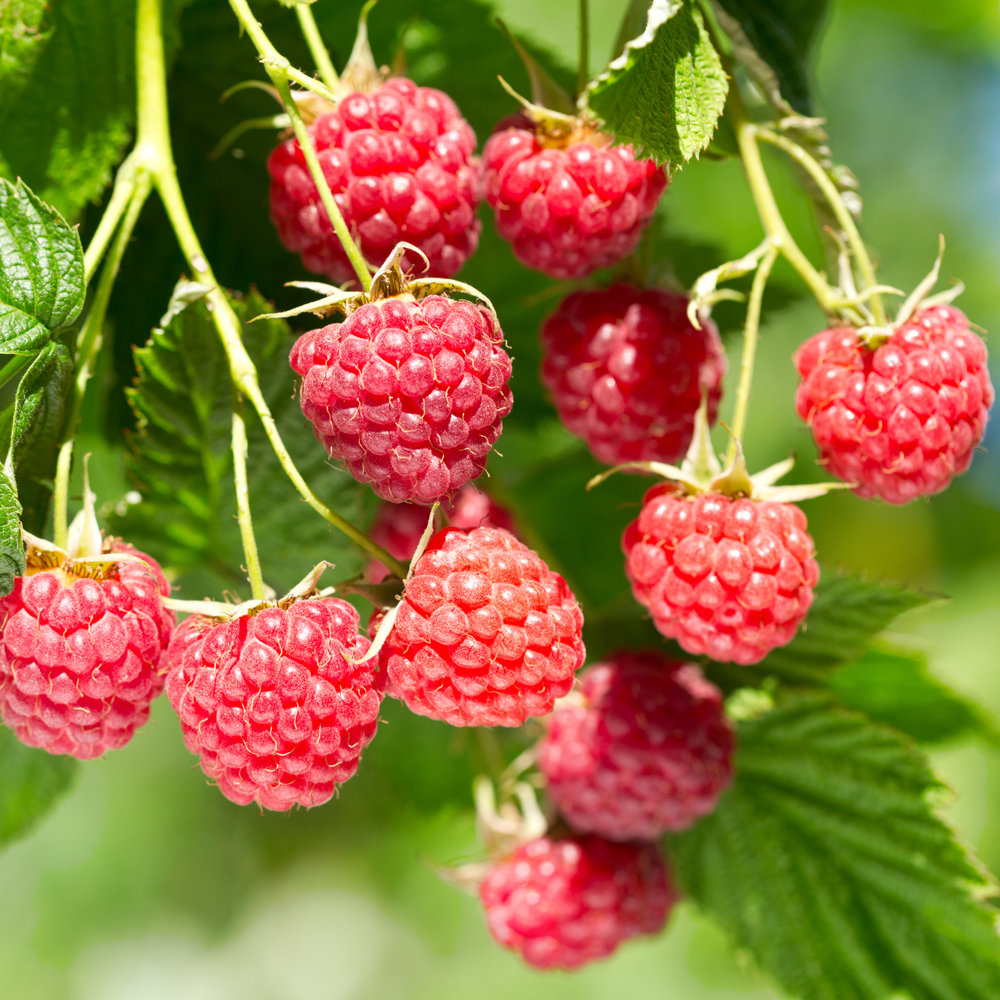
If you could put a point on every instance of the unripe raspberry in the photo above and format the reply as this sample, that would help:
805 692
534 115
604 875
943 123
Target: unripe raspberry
732 579
400 164
410 395
80 656
626 370
564 903
275 703
487 634
570 205
902 420
399 527
649 750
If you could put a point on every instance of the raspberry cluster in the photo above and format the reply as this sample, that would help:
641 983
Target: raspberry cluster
400 164
567 211
410 395
901 420
649 750
564 903
627 369
80 651
276 704
487 634
731 579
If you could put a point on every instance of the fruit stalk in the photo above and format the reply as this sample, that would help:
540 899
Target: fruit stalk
583 28
240 449
280 72
316 47
126 181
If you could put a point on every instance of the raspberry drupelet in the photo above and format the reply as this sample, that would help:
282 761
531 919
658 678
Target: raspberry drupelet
409 394
902 420
626 369
732 579
486 635
82 650
648 751
563 903
400 164
275 703
569 203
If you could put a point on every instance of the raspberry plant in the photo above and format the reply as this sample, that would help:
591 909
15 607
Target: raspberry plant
744 737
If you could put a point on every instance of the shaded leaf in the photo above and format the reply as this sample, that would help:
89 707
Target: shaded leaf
11 546
826 862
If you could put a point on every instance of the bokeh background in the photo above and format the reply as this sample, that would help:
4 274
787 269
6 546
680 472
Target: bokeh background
144 883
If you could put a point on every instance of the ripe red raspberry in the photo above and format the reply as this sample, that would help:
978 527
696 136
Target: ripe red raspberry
487 634
399 527
626 370
272 702
80 653
409 394
564 903
400 164
902 420
728 578
648 752
572 205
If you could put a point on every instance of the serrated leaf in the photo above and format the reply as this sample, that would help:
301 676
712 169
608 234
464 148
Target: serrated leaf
37 425
42 288
892 684
781 33
11 546
847 612
826 863
666 91
31 782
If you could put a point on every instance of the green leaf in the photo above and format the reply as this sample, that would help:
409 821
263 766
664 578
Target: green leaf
42 288
891 684
848 610
31 782
666 91
11 545
826 862
180 457
22 38
780 33
38 420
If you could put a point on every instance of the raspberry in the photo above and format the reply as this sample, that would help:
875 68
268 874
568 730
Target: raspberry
648 752
728 578
272 702
399 527
400 164
80 652
409 394
564 903
567 211
487 634
902 420
626 370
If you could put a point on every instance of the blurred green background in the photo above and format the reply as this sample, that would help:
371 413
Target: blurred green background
145 883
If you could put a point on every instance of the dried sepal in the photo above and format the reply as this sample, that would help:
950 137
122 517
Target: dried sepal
705 292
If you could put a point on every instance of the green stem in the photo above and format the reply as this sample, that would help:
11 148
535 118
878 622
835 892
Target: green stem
87 347
154 147
583 28
843 216
751 334
316 47
240 449
281 72
121 195
12 367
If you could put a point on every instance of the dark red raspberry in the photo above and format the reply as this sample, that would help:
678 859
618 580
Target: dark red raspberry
902 420
564 903
80 657
568 206
410 395
648 751
273 704
626 369
728 578
400 164
399 527
487 634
